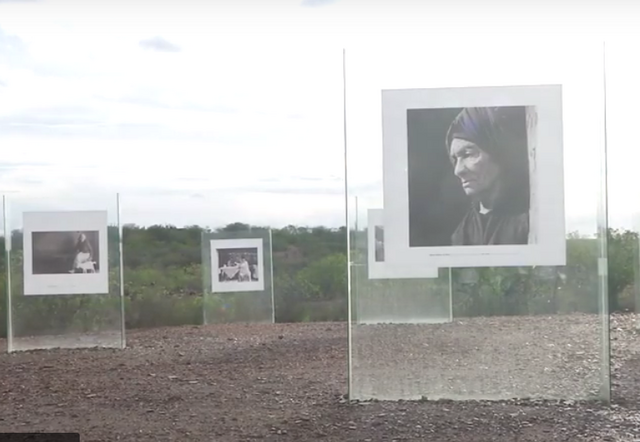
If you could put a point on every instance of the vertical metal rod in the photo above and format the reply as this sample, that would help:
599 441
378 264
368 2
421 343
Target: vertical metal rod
123 331
348 227
206 263
604 247
356 269
7 251
273 298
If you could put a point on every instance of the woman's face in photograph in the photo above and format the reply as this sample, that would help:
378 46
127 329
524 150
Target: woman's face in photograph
475 168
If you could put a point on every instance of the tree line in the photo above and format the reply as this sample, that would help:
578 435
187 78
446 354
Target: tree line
164 280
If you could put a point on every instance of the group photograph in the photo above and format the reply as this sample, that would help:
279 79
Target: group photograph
237 265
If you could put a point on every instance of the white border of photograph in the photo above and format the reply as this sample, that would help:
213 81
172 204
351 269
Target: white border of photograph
224 287
385 269
66 221
546 171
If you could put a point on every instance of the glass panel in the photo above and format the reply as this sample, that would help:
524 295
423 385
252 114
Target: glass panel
388 295
64 280
238 276
624 213
528 310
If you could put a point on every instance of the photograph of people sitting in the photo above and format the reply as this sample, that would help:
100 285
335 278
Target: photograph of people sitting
238 265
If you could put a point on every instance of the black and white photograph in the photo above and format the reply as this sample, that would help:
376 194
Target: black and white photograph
378 267
472 165
58 253
237 265
379 238
477 184
65 253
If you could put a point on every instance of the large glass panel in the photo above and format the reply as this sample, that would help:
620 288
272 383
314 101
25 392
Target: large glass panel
491 165
387 295
238 276
64 280
624 215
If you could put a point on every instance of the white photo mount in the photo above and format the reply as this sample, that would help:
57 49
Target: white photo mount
236 286
385 269
65 222
548 245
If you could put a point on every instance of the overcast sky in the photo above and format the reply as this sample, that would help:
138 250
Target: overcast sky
210 112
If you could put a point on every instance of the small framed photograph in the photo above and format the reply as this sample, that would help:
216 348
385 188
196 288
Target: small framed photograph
237 265
378 267
65 253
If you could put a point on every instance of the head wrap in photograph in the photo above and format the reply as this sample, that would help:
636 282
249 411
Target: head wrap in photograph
501 132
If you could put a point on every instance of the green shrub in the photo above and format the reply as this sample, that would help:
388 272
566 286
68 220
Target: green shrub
163 283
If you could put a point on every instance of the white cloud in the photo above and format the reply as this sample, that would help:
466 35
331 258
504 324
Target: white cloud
253 99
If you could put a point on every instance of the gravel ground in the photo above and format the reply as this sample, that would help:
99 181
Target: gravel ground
481 358
287 382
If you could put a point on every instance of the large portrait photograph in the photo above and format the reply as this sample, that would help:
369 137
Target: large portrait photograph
65 253
237 265
473 177
378 266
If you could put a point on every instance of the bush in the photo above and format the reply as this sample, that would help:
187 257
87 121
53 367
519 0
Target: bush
164 283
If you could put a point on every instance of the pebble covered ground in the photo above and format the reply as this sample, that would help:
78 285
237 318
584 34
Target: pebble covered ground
287 382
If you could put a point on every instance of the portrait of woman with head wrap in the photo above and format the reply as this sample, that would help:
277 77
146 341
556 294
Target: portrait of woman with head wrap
474 176
488 150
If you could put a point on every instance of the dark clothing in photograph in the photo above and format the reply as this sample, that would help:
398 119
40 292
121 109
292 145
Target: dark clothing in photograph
84 247
492 228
